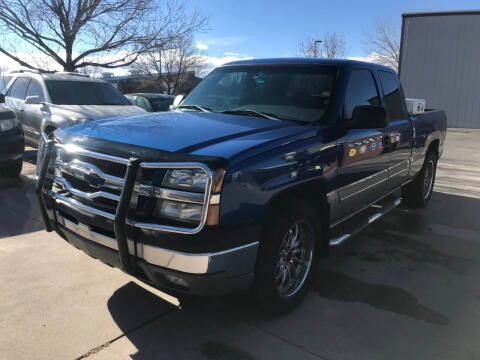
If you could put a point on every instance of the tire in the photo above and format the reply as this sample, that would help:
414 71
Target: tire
417 193
12 170
276 261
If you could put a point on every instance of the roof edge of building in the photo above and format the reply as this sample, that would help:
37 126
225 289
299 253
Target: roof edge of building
441 13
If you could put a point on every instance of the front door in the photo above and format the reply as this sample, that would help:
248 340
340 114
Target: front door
363 160
33 115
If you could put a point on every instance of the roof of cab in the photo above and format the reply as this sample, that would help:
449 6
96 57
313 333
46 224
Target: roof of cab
307 61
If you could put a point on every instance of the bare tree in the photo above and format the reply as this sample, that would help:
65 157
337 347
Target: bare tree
172 65
329 45
384 43
88 33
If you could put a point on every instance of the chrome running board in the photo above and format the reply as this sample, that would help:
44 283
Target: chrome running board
345 230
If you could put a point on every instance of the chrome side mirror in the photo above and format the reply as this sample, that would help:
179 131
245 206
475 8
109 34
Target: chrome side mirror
33 100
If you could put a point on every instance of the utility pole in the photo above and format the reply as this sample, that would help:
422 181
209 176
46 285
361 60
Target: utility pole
315 49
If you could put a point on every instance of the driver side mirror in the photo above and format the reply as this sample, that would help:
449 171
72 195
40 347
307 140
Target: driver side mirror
33 100
368 117
176 102
2 99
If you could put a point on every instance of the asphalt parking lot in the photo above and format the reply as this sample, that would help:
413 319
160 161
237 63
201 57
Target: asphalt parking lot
405 288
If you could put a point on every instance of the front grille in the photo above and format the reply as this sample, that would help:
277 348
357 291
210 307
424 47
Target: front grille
93 182
108 167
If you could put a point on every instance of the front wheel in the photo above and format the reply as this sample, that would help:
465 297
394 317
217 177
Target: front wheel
287 257
417 193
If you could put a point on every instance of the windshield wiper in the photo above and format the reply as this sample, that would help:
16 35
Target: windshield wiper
194 107
251 112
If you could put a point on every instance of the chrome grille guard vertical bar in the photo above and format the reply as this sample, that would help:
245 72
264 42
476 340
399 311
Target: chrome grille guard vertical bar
41 181
121 214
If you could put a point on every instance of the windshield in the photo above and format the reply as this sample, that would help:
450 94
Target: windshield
293 92
161 104
84 93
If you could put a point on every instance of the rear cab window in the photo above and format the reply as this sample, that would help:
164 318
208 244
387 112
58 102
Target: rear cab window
393 95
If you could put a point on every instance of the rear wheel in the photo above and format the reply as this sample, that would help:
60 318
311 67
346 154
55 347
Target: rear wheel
417 193
287 257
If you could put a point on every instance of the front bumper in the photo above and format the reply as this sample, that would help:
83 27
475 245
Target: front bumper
199 274
215 260
11 145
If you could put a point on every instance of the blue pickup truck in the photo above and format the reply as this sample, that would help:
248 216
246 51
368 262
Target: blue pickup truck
248 181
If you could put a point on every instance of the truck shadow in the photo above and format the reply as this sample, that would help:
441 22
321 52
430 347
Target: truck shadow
193 329
375 269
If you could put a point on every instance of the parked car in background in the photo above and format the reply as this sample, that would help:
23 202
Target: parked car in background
261 168
11 143
150 101
43 102
4 81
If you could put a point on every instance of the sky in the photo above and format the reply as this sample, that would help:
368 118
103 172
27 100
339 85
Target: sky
268 28
243 29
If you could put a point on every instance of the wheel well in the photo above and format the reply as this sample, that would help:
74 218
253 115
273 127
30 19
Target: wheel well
314 194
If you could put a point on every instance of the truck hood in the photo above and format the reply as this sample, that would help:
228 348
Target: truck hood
95 112
202 134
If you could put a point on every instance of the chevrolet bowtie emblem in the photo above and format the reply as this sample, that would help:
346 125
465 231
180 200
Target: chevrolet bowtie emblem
88 175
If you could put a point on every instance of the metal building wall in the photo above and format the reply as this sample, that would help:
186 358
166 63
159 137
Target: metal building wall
440 62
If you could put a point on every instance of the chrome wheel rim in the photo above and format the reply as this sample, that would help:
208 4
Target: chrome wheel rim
428 179
295 258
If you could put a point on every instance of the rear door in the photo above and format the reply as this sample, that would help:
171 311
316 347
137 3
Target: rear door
363 163
399 128
33 114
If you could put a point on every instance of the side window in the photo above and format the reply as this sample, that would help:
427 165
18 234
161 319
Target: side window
143 103
19 88
393 96
35 89
361 90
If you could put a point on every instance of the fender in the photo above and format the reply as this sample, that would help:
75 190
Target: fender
253 185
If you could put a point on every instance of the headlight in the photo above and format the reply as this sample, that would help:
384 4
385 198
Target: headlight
8 124
186 179
178 211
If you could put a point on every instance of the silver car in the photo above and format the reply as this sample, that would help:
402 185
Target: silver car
44 102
